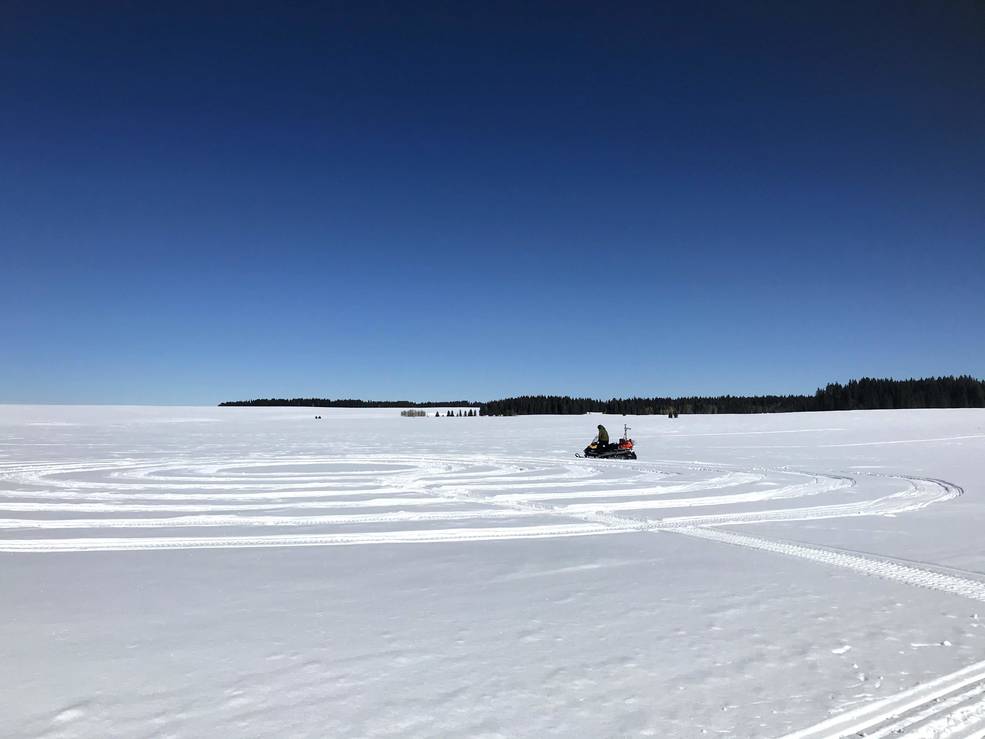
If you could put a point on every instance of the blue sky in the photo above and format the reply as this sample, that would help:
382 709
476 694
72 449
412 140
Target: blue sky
443 201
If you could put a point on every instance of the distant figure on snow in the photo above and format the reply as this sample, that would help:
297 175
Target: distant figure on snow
603 436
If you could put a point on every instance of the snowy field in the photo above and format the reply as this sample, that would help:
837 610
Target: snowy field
256 572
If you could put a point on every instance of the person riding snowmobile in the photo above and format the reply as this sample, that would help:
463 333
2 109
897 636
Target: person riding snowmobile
602 448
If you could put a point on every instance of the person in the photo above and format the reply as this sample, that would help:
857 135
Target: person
603 436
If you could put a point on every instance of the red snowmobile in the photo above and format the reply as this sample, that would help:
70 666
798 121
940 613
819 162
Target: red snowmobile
623 450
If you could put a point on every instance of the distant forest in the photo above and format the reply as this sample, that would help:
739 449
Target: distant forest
864 394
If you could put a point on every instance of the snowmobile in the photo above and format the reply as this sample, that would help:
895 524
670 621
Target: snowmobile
623 450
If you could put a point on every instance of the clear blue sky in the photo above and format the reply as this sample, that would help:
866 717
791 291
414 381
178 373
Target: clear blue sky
429 201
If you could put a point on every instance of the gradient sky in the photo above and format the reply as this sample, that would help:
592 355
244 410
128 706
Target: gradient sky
203 202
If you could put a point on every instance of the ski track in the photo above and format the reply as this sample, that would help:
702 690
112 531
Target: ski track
949 706
401 499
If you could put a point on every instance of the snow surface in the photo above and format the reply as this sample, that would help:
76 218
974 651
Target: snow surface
257 572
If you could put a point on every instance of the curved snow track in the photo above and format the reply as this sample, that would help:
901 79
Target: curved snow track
312 501
195 503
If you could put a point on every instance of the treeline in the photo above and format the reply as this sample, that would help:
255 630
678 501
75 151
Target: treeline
349 403
931 392
864 394
564 405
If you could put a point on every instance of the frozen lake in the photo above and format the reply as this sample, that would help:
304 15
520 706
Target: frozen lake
254 571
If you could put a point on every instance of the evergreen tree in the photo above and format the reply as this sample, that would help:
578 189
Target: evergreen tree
862 394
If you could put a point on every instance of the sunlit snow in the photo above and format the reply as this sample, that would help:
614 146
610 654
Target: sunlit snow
255 571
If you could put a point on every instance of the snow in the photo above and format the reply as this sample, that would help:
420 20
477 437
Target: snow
254 571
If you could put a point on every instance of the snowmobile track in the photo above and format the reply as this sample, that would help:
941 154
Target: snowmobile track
881 568
374 491
526 498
